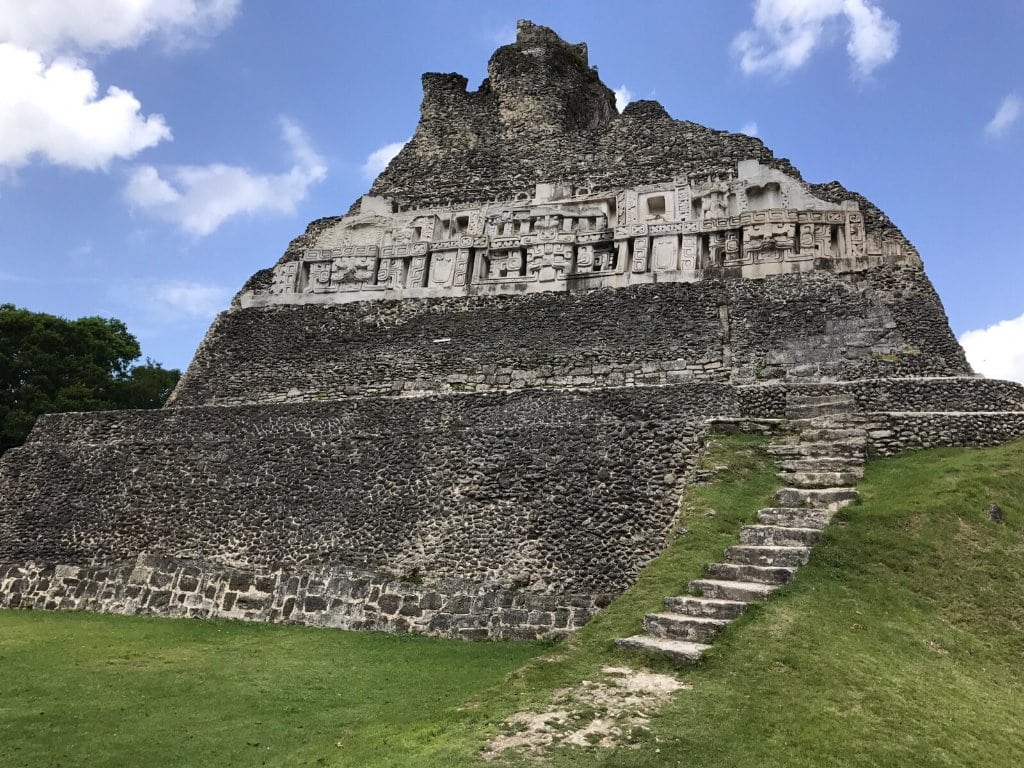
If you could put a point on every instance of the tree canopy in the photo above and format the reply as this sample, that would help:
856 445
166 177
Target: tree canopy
50 364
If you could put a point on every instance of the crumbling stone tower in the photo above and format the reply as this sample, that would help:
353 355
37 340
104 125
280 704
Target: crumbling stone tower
468 406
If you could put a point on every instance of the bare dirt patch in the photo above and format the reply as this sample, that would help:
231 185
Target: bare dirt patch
610 712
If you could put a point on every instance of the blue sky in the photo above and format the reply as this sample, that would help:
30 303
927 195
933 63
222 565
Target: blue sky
155 153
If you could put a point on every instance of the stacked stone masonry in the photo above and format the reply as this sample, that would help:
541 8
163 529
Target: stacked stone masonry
883 322
544 491
324 596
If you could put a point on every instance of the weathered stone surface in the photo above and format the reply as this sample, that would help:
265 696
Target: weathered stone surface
643 335
673 626
679 650
540 490
324 596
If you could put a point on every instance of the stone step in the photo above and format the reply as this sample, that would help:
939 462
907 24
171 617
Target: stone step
751 573
778 536
726 589
804 398
811 410
821 433
680 650
676 626
820 498
827 449
788 557
820 479
705 606
823 464
795 517
813 406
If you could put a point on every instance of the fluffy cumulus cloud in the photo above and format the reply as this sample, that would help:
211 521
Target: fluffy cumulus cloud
786 32
199 198
51 107
190 299
54 26
378 160
997 351
622 97
749 128
1009 112
55 112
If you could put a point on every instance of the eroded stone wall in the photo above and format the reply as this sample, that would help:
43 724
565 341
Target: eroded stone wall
544 491
885 322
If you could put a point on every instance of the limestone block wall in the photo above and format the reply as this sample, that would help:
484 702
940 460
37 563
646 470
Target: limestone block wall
883 322
323 596
542 491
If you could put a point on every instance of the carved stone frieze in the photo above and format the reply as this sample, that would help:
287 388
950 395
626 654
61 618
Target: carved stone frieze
755 223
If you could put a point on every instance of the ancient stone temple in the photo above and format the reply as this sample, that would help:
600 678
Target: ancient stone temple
469 405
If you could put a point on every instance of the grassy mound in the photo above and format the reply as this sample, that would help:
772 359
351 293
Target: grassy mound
899 644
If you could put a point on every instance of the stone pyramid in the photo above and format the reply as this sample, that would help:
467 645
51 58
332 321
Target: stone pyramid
469 406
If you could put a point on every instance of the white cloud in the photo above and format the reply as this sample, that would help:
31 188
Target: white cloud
378 160
190 299
52 26
786 32
199 198
50 105
749 128
1008 113
997 351
54 112
622 97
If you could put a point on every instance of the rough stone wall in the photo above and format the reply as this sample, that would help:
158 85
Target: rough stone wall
342 598
543 491
890 434
904 395
816 324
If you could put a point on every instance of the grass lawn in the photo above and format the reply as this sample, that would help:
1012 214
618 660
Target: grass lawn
899 645
89 690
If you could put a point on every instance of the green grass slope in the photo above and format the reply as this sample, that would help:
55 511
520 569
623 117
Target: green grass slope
899 644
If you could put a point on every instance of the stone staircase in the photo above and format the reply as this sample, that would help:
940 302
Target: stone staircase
820 464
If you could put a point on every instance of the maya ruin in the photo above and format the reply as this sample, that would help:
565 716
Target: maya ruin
468 406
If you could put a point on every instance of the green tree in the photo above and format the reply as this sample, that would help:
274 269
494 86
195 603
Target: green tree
49 364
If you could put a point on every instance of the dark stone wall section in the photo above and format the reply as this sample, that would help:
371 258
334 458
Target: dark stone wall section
784 327
890 434
342 598
545 491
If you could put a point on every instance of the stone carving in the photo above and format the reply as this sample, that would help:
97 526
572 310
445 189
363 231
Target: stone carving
724 248
319 278
665 253
548 262
672 231
417 276
689 250
769 241
462 276
442 268
714 201
283 280
640 254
